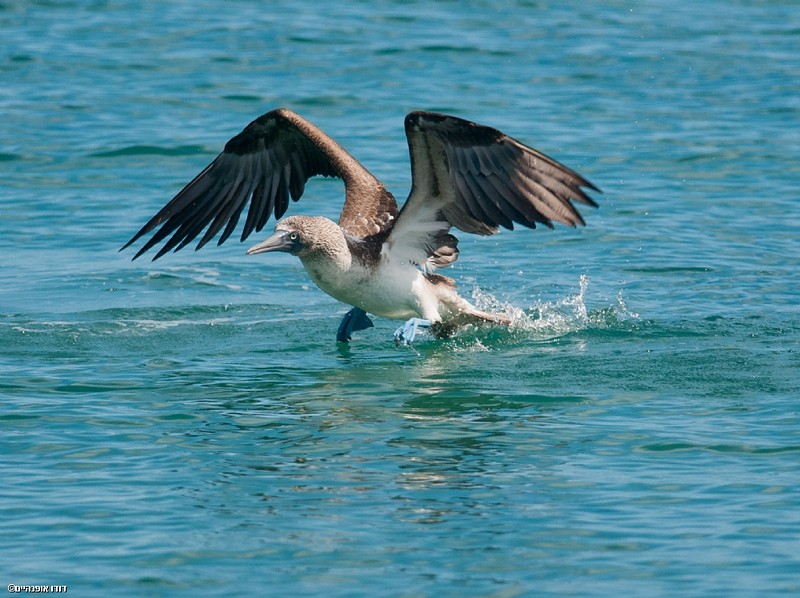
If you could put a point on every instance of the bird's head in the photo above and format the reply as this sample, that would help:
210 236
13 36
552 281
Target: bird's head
305 237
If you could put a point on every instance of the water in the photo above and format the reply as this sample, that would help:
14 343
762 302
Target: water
189 427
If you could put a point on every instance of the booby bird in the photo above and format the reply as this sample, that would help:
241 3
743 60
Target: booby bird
378 259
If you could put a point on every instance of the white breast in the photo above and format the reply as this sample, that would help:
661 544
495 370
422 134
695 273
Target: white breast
390 290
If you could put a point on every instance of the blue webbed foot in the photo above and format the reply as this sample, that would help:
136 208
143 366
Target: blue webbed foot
354 320
406 333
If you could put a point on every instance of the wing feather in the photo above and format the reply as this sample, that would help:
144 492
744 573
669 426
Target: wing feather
476 178
470 194
486 201
247 190
265 165
471 210
515 208
232 204
259 202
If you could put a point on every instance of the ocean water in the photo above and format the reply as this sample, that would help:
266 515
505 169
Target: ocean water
190 427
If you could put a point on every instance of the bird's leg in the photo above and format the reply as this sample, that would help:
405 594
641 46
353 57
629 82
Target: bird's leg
406 333
354 320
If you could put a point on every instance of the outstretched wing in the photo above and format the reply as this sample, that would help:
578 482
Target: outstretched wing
477 179
268 162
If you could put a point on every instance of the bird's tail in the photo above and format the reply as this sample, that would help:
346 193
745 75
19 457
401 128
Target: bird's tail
484 317
472 315
458 311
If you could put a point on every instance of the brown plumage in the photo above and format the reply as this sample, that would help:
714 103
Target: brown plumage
464 175
268 162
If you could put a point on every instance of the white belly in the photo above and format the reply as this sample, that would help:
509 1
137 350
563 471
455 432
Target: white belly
389 291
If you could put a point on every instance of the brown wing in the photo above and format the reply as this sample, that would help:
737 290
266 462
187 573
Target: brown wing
477 179
268 162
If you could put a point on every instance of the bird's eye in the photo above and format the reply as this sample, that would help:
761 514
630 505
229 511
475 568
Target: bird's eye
294 236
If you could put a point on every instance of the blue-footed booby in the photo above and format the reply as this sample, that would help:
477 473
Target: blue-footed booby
378 259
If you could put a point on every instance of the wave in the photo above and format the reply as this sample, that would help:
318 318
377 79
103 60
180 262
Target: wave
152 150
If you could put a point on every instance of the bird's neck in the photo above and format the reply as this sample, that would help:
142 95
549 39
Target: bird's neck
329 252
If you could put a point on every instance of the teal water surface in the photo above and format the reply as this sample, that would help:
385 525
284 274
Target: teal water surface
190 427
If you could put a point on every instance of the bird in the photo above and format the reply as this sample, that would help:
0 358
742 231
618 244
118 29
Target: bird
378 258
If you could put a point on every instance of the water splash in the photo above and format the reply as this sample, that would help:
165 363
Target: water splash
545 320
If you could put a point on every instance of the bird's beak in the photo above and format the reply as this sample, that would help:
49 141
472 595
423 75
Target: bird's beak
280 241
